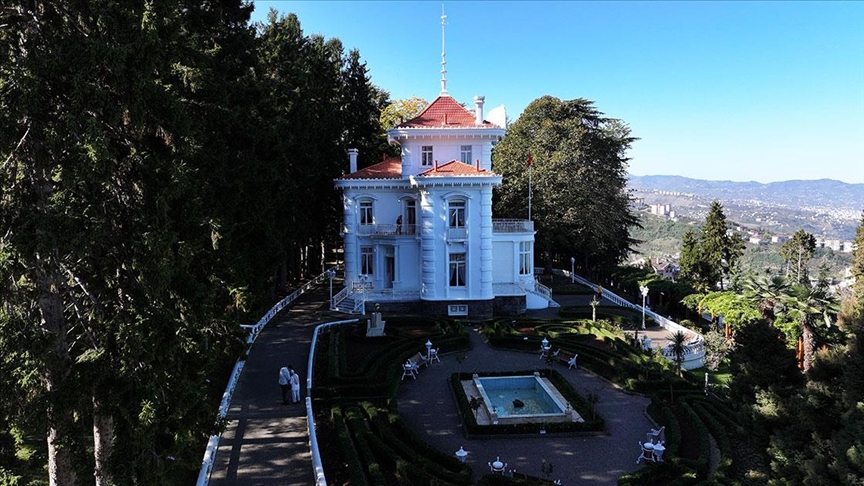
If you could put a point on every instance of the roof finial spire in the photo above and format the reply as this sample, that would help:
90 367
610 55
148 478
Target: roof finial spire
443 53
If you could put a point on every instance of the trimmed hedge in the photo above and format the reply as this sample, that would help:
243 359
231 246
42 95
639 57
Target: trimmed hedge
664 473
701 464
356 470
433 461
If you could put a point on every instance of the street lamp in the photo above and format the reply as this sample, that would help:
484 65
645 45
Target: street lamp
331 273
461 454
644 290
429 348
572 269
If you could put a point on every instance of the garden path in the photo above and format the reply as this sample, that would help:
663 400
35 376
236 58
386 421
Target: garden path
266 442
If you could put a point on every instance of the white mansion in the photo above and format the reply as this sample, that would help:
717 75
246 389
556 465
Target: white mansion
418 231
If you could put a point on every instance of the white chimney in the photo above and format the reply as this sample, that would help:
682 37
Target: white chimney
478 109
352 157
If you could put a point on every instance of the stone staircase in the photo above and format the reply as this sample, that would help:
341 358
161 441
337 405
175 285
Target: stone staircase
348 304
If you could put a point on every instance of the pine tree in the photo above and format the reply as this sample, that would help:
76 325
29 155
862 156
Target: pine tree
580 204
797 251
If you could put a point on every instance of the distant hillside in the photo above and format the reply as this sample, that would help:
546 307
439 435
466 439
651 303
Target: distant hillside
825 208
796 194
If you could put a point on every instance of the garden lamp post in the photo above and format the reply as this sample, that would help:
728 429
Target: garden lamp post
644 290
461 454
428 348
572 269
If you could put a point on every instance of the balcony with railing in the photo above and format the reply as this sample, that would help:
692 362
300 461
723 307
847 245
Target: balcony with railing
512 226
387 229
457 233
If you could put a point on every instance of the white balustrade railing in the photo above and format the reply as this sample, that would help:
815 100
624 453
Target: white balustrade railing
457 234
386 229
317 466
512 226
339 297
693 358
253 330
537 288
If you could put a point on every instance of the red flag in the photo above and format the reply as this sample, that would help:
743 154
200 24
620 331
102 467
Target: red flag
529 159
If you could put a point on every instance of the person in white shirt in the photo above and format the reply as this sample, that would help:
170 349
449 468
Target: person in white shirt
285 382
295 386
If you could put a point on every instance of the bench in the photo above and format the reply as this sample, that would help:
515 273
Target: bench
417 360
565 357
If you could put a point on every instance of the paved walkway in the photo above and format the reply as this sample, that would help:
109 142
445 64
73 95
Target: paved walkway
427 405
267 443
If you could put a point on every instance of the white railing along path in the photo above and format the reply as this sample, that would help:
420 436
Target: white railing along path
253 330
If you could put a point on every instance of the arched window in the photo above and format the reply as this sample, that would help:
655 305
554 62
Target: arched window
365 212
456 213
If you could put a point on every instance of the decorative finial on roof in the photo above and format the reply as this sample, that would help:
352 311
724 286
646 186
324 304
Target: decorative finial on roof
443 54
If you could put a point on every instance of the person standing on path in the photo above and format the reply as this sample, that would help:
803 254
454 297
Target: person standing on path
295 385
285 383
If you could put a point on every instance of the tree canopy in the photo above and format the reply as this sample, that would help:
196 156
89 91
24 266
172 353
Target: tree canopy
580 204
796 251
163 166
711 257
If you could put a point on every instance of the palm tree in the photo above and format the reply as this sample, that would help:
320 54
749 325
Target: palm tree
808 305
678 339
766 293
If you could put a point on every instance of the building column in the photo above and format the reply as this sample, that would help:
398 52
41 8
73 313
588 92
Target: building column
486 243
427 245
349 220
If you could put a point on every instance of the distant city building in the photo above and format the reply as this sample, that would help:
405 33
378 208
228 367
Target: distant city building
779 239
660 209
835 245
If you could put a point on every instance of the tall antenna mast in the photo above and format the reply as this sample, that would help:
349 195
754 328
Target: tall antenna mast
443 53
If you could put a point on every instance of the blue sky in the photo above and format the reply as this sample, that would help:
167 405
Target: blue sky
762 91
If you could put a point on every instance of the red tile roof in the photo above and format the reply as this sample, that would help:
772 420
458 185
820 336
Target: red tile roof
387 169
444 112
456 168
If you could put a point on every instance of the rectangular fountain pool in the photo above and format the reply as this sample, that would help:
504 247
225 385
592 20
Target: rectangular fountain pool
541 404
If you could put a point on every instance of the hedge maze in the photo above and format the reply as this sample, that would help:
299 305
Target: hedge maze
362 439
364 442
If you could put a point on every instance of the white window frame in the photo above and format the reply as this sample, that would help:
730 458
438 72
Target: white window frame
455 262
526 267
465 153
366 212
454 209
367 260
426 156
457 310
